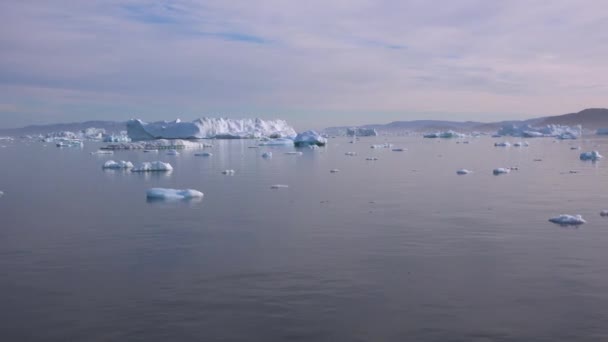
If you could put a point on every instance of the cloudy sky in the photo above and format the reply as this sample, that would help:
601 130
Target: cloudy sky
314 63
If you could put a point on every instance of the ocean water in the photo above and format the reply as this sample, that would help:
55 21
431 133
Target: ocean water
397 249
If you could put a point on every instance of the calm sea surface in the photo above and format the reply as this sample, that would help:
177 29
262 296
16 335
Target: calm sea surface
397 249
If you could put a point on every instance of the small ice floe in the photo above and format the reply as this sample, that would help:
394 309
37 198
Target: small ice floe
98 152
593 155
279 186
294 153
520 144
565 220
575 148
371 158
203 154
463 172
399 149
150 151
172 194
501 170
334 170
172 153
153 166
267 155
603 213
350 154
228 172
502 144
387 145
110 164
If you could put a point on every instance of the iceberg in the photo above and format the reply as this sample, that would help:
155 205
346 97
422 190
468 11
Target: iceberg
153 166
203 154
361 132
279 186
444 135
114 138
172 153
69 143
1 193
604 213
209 128
502 144
110 164
100 152
228 172
501 170
172 194
564 219
371 158
277 142
309 138
155 145
267 155
593 155
527 131
294 153
463 172
520 144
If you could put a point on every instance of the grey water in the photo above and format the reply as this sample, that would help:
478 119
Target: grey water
397 249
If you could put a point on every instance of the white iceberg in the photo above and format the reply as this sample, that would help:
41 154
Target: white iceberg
114 138
361 132
154 145
110 164
309 138
445 135
172 194
267 155
564 219
593 155
153 166
209 128
203 154
527 131
501 170
463 172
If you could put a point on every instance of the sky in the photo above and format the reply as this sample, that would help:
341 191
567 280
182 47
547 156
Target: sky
313 63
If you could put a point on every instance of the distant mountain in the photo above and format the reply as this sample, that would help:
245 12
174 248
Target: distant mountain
109 126
592 118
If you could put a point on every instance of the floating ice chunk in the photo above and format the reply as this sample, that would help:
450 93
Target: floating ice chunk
279 186
228 172
334 170
371 158
501 170
172 153
502 144
313 147
351 154
69 143
604 213
520 144
463 172
309 138
593 155
387 145
102 152
564 219
558 131
294 153
445 135
1 193
151 151
399 149
575 148
110 164
173 194
253 146
203 154
277 142
153 166
267 155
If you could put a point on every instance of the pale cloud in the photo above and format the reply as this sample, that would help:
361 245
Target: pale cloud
314 62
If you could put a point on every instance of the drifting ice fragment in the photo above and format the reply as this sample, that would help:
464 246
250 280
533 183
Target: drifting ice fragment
173 194
102 152
228 172
203 154
151 151
1 193
593 155
277 142
564 219
501 170
294 153
153 166
351 154
279 186
604 213
172 153
334 170
267 155
502 144
110 164
463 172
399 149
371 158
575 148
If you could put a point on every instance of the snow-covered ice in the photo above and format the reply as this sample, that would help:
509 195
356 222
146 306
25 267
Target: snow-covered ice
501 170
565 219
463 172
153 166
206 128
593 155
309 138
173 194
110 164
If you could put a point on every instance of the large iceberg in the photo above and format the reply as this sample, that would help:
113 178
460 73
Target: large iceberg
208 128
445 135
361 132
527 131
154 145
172 194
309 138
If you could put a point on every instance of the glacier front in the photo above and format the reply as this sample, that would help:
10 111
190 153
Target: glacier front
209 128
